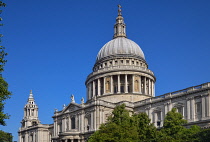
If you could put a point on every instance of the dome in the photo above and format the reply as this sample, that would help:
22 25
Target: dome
120 46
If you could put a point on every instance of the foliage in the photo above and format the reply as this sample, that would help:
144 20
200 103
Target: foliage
4 93
5 137
146 130
204 135
174 131
173 123
120 127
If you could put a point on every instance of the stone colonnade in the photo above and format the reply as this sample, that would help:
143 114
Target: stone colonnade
122 83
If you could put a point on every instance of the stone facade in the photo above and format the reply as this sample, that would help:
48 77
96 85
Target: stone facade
120 75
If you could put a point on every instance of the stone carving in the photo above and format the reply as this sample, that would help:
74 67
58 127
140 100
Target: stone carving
82 101
72 99
64 106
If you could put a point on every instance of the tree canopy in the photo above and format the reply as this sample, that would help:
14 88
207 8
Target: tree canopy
5 137
4 93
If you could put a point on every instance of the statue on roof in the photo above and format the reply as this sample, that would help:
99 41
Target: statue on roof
72 99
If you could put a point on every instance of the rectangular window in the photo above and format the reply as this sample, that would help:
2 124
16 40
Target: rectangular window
115 89
122 89
73 126
158 120
198 108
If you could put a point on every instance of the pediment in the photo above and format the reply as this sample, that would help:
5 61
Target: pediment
71 108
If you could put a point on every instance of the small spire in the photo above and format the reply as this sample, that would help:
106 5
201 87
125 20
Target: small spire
119 10
31 94
119 27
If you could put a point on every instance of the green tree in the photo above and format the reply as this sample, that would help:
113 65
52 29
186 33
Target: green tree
5 137
120 127
174 131
203 135
4 93
146 131
173 123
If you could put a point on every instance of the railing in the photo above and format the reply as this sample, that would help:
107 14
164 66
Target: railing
128 67
169 95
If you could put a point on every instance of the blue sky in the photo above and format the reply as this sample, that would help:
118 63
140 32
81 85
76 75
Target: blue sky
53 44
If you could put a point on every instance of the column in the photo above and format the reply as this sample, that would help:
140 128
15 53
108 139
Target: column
118 83
79 119
161 119
145 86
65 124
20 138
133 83
69 122
62 125
208 105
111 83
104 85
91 126
149 87
88 91
152 93
99 87
169 106
149 113
34 137
26 137
55 128
95 119
82 122
140 91
126 83
183 112
153 89
192 103
165 109
203 103
94 89
76 122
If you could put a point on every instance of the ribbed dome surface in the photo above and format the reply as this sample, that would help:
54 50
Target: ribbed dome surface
120 46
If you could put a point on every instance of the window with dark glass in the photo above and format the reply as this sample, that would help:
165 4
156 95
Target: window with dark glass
73 123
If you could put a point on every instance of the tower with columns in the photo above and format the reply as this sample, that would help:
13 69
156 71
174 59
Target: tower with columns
30 113
31 129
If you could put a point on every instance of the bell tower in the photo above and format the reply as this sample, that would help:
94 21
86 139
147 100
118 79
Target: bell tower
30 113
